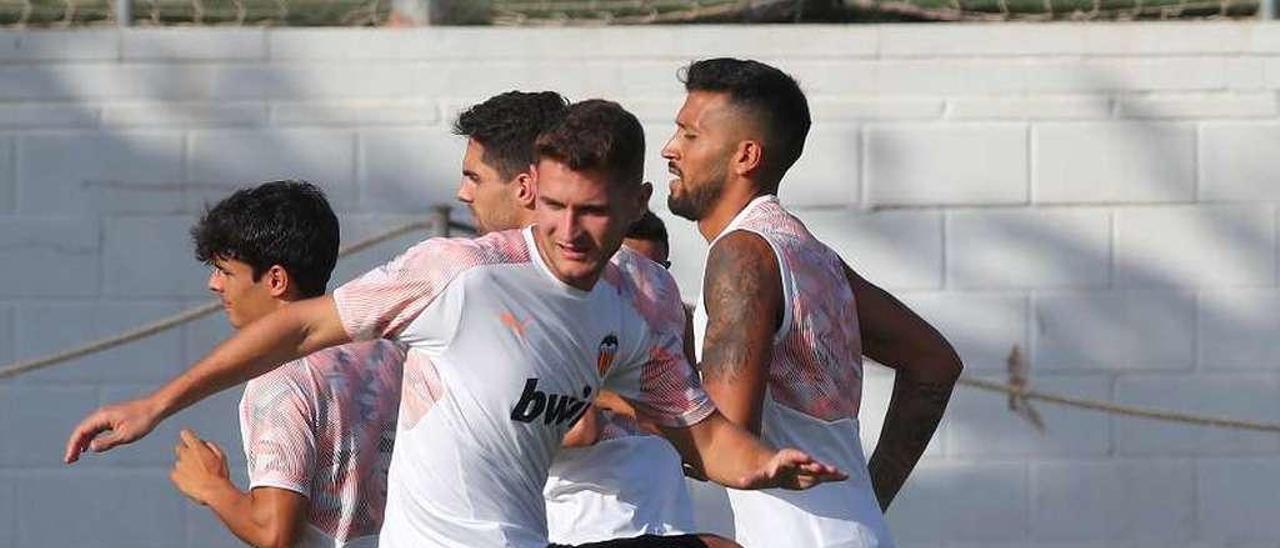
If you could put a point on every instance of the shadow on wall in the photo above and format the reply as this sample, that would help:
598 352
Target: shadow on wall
1107 299
1159 304
109 200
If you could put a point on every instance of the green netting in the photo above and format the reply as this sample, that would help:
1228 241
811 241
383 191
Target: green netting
43 13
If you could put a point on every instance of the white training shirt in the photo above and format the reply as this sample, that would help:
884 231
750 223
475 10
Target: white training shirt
811 402
630 483
324 426
503 358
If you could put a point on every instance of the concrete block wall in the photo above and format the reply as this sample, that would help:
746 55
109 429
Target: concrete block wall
1099 195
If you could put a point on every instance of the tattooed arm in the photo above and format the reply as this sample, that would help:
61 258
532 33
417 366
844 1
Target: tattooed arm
926 370
742 292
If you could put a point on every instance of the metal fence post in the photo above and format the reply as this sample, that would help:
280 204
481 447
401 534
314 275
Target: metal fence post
441 214
124 13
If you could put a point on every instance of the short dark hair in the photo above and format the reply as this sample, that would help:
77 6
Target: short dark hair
286 223
597 134
507 125
649 228
768 94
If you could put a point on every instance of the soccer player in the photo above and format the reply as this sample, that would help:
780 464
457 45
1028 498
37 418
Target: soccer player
784 322
510 335
616 481
318 431
648 237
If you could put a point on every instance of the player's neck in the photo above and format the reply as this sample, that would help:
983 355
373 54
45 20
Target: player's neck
732 201
525 218
275 304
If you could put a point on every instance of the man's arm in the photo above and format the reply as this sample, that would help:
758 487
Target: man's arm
586 431
742 292
265 516
729 455
293 331
926 369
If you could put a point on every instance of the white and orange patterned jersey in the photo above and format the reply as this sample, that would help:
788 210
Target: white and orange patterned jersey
323 426
812 398
503 358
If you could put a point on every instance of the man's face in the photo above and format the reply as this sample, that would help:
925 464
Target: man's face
491 198
243 299
699 152
580 220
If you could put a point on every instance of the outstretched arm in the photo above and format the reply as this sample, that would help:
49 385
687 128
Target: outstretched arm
729 455
293 331
742 292
926 370
265 516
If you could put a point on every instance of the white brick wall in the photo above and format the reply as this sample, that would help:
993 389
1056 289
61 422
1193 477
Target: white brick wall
995 505
871 244
983 327
1235 164
1102 196
1223 481
1196 246
967 164
981 427
1237 330
7 198
8 504
1242 395
1114 330
46 327
1113 163
31 244
1113 501
1000 248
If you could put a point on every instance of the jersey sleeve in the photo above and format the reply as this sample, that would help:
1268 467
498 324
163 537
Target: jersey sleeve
657 378
276 428
383 301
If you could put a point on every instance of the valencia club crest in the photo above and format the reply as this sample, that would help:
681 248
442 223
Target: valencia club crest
608 350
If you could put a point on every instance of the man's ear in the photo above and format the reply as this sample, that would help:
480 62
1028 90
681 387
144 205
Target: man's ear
278 281
643 195
747 158
526 188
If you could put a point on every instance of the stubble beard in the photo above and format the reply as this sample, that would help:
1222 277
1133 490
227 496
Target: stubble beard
697 200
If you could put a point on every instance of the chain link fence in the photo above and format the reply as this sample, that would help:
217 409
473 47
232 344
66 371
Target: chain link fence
376 13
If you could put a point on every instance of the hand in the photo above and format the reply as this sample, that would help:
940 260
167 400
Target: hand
793 469
110 426
201 467
610 401
587 430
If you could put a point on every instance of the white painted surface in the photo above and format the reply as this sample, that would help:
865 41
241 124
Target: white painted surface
1102 195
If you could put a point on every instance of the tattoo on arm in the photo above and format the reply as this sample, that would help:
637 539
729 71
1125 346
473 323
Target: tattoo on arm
742 292
739 277
915 409
927 368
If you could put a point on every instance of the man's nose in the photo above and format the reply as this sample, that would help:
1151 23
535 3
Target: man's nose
465 192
